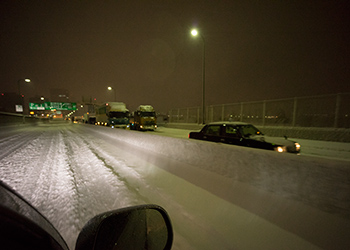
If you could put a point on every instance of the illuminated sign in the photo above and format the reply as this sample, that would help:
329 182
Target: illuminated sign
19 108
53 105
36 106
62 105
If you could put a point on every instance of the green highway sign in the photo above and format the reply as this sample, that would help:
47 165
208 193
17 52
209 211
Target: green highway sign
63 105
53 105
36 106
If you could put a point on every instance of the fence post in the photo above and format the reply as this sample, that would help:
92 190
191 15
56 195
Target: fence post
198 111
264 113
337 107
187 110
241 119
295 106
223 112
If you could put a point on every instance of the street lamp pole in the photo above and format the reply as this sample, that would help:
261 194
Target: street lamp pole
19 90
194 32
19 84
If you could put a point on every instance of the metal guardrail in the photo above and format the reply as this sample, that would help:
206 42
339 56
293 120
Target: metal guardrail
331 111
11 119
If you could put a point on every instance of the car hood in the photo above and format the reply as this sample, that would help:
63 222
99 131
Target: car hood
273 140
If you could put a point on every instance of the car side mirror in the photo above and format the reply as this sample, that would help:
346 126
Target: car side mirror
139 227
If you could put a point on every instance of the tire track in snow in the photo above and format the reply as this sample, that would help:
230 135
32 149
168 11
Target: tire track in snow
96 187
57 171
20 167
39 171
13 144
53 194
116 167
130 187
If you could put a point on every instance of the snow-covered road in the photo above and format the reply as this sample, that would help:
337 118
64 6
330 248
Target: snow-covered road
218 196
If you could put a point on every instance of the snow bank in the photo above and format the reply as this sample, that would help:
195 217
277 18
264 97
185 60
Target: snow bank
284 174
284 189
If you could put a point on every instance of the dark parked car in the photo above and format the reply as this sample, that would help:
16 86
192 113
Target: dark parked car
244 134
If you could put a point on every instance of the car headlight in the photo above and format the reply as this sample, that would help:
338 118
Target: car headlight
280 149
297 146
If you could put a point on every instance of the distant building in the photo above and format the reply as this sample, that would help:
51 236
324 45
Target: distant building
8 102
59 95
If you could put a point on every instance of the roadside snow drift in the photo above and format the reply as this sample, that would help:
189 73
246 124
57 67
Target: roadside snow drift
309 197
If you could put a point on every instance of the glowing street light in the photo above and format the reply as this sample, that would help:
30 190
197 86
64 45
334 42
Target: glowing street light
115 96
195 33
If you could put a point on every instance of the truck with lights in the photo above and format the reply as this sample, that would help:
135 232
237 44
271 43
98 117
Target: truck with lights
113 114
89 118
145 118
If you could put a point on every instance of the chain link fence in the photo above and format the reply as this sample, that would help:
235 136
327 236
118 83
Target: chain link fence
313 111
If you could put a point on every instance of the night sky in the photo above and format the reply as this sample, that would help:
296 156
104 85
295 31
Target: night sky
255 50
